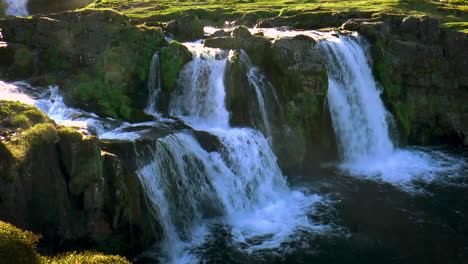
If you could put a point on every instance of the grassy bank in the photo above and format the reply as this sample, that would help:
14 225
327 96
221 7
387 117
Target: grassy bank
452 13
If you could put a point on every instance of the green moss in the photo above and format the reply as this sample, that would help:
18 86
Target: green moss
53 59
116 85
18 246
173 59
69 133
86 258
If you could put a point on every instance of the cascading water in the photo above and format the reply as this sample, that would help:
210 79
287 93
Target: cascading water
154 85
359 117
17 7
361 122
241 184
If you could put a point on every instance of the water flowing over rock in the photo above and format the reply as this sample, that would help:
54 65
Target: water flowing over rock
359 117
423 70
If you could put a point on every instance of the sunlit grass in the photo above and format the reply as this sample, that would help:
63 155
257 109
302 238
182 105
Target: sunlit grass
163 10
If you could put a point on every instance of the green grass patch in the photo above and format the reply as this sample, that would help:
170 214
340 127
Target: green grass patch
221 10
19 246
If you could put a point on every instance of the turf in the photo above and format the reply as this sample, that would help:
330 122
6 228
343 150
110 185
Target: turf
452 13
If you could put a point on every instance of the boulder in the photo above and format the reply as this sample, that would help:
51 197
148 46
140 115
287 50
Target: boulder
257 47
186 28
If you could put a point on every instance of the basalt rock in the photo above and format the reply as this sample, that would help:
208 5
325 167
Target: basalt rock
299 74
57 182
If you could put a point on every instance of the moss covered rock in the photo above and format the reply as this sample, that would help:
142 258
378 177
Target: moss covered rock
57 182
186 28
98 58
18 246
173 58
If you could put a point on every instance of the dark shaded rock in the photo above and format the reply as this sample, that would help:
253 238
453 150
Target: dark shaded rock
57 182
241 32
186 28
220 33
299 73
51 6
248 20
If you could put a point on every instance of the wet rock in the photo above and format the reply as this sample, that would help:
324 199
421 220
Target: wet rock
186 28
256 46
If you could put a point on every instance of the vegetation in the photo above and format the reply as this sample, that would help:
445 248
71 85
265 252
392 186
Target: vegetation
452 13
19 247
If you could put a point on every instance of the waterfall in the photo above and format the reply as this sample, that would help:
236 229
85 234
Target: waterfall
361 122
154 85
359 117
241 184
199 95
259 82
17 7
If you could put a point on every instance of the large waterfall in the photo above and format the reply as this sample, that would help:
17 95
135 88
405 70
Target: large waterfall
17 7
361 122
360 119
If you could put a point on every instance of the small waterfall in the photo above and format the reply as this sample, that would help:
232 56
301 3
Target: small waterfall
259 82
199 95
17 7
154 85
359 117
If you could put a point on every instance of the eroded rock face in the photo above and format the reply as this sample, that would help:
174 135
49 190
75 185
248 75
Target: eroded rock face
186 28
58 183
97 57
423 69
300 74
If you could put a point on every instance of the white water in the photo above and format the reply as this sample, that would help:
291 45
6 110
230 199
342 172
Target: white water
154 86
359 117
257 81
17 7
361 122
241 186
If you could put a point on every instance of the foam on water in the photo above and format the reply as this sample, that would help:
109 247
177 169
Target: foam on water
362 123
17 7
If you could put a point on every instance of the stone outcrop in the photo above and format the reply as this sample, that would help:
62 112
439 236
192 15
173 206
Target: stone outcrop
57 182
186 28
97 57
423 69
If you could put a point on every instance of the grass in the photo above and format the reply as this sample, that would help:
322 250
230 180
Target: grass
449 12
19 246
